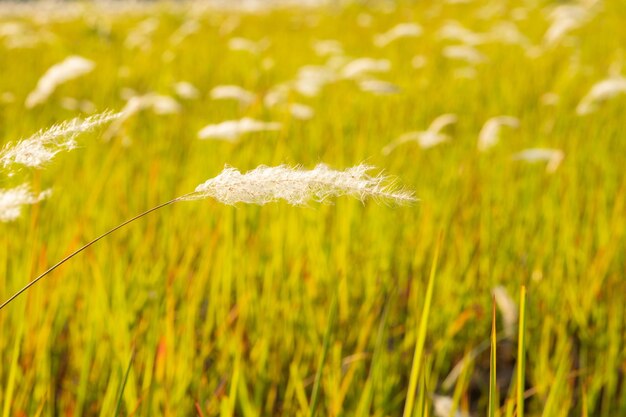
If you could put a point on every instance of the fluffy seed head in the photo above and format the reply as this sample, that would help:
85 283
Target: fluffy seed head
40 148
70 68
12 200
297 186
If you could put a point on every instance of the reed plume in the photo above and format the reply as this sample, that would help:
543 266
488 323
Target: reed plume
41 147
266 184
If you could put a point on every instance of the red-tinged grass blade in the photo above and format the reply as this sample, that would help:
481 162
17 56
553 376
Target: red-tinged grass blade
493 404
320 365
584 407
421 337
521 353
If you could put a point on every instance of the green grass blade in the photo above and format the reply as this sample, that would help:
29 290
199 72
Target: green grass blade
521 353
421 337
320 365
493 405
118 406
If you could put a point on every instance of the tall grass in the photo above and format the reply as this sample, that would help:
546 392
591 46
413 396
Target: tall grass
224 307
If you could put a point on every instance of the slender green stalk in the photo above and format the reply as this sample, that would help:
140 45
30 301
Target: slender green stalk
421 337
492 365
123 386
521 353
320 365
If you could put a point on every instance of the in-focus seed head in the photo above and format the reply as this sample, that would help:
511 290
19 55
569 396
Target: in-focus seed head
298 186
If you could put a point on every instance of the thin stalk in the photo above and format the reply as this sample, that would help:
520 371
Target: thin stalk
87 245
123 386
521 353
492 364
421 335
320 366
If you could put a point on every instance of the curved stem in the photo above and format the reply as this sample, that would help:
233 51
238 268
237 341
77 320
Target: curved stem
82 248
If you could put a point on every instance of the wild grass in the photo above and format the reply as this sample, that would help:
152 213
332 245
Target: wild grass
225 310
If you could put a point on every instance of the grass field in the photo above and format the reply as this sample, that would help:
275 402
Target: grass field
206 309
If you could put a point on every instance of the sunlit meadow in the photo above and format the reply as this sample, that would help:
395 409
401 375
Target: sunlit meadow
505 119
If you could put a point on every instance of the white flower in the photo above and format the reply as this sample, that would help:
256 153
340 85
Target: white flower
247 45
378 87
40 148
297 186
12 200
327 47
507 308
186 90
70 68
601 91
301 111
402 30
427 138
232 92
364 66
465 53
553 157
231 130
490 133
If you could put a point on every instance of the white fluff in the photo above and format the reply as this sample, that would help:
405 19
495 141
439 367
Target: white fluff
231 130
465 53
553 157
13 199
601 91
489 135
297 186
70 68
233 92
426 138
401 30
40 148
364 66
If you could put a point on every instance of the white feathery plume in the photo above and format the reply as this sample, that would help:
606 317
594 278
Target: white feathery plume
378 87
490 133
426 138
233 92
231 130
247 45
259 186
553 157
186 90
312 78
564 19
301 111
465 53
327 47
12 200
401 30
297 186
140 37
70 68
188 28
455 31
443 406
508 309
45 144
601 91
363 66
